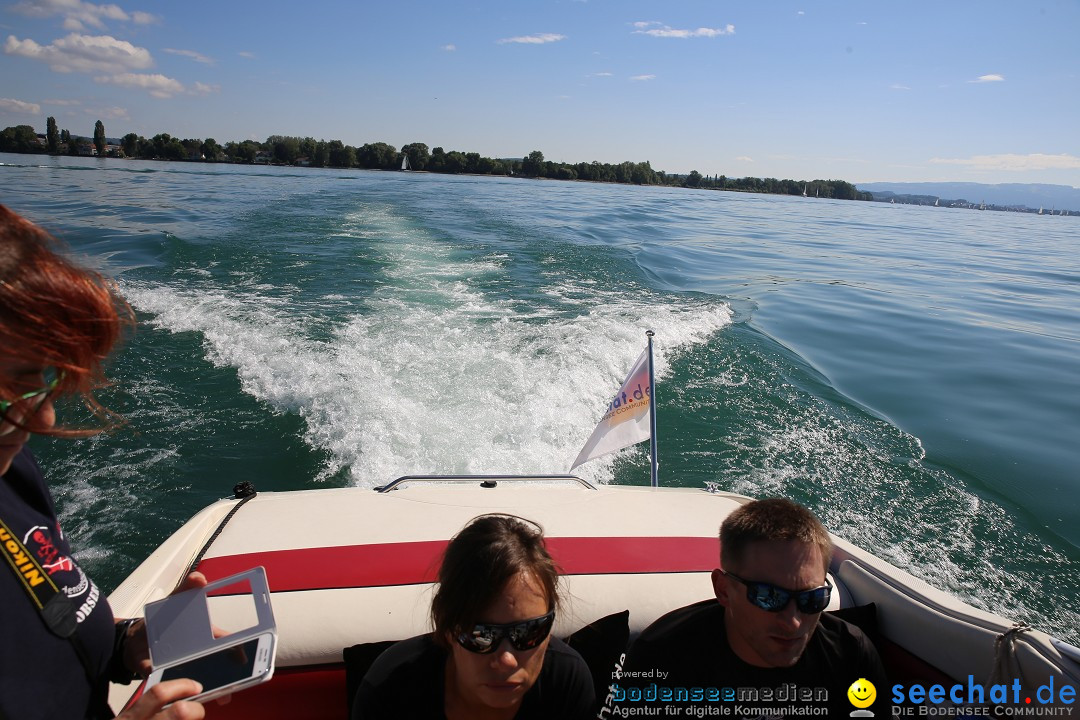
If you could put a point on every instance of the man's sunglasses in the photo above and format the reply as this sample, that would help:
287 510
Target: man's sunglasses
525 635
32 402
774 599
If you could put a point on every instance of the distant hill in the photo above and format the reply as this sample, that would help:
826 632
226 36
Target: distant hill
1061 197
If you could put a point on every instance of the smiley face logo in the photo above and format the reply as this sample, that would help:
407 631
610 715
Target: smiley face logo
862 693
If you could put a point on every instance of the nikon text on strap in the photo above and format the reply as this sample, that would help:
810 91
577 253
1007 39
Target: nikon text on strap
56 609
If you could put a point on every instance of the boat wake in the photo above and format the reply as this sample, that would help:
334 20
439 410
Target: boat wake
428 370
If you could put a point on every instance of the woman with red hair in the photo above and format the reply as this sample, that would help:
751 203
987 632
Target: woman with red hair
60 644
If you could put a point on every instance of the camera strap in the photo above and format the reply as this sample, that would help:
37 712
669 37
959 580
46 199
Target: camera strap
56 609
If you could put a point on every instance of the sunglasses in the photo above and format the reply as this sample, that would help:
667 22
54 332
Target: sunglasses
30 403
485 638
774 599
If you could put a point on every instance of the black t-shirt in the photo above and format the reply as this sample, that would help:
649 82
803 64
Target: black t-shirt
406 683
690 645
41 675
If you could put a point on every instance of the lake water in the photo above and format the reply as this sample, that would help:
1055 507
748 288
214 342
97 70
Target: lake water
909 373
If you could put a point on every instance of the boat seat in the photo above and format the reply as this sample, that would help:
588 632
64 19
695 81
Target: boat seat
325 691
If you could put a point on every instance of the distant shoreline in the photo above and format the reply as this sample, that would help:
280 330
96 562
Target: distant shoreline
308 152
747 185
818 189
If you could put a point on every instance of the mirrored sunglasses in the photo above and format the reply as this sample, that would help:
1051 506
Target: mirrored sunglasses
28 403
525 635
774 599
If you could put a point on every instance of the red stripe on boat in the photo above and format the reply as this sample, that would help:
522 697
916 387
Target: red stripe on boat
409 563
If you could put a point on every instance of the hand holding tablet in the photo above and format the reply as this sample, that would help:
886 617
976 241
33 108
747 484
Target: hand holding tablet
233 650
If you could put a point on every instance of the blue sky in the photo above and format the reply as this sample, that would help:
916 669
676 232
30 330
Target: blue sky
862 91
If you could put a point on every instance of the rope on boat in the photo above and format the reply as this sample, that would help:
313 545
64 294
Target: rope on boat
1006 665
244 491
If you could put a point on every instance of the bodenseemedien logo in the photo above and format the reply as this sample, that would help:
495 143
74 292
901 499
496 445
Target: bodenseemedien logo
862 695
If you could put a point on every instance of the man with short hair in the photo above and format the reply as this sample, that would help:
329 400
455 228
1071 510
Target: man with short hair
766 645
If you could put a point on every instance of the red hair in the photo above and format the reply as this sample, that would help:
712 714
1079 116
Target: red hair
54 313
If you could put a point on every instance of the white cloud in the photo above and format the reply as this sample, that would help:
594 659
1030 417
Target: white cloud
61 103
246 54
78 15
988 78
19 106
156 84
640 78
83 53
666 31
600 74
1014 162
897 86
197 57
743 158
204 89
449 48
113 113
538 39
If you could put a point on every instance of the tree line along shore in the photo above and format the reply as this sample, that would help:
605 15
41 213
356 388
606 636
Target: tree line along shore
308 152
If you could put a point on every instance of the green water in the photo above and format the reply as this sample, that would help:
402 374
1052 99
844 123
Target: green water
909 373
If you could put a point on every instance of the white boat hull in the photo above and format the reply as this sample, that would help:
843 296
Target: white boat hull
351 565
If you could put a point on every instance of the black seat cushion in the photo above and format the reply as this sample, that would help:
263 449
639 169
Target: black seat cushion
602 644
358 659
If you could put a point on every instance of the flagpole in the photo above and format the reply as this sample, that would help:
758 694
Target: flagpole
652 414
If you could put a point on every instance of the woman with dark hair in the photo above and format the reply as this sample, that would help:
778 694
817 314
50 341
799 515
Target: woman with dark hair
60 644
491 654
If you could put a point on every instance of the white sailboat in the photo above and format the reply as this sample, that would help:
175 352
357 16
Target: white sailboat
405 162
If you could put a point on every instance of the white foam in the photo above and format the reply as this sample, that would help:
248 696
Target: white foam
433 375
410 388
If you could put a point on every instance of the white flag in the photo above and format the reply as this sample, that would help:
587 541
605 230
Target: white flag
627 418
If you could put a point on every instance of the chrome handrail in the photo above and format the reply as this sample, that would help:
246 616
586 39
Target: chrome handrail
483 478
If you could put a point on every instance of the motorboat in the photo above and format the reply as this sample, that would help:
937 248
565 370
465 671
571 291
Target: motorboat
355 566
